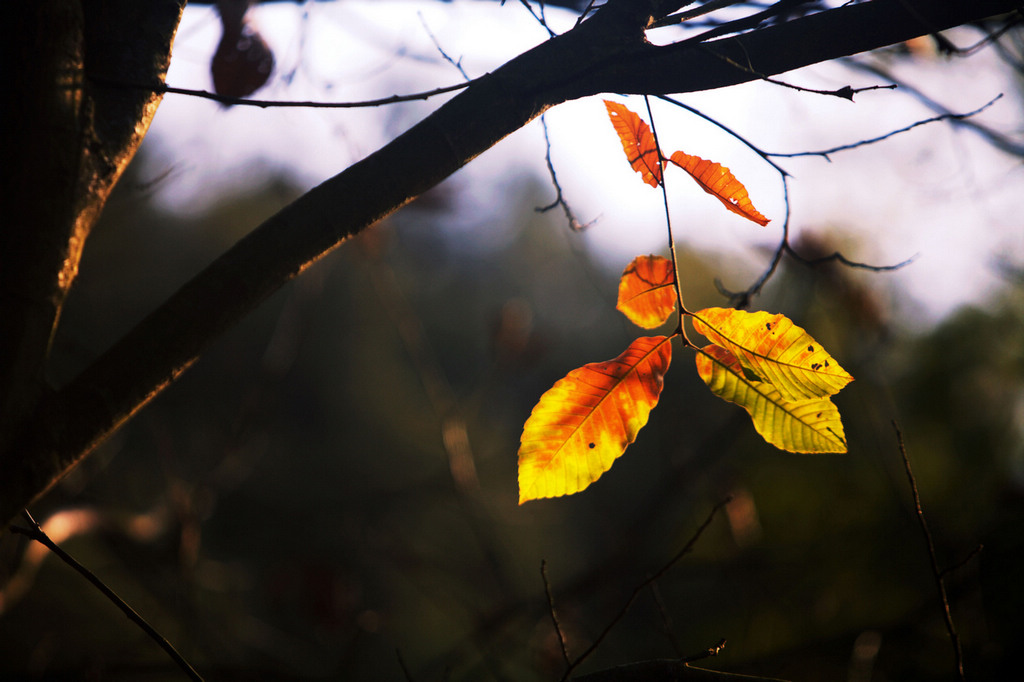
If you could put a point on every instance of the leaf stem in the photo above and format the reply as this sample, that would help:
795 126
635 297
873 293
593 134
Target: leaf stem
680 330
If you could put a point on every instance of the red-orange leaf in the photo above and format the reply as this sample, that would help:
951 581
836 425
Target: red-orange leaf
583 423
717 180
647 294
637 142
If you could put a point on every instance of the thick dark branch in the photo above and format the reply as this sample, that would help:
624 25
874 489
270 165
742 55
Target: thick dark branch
607 53
848 30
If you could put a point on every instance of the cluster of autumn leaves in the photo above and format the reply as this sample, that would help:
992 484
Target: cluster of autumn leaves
762 362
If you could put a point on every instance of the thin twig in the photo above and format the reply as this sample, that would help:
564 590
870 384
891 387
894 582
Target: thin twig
666 619
936 572
279 104
35 532
996 139
835 256
401 663
963 562
584 13
854 145
846 92
574 224
541 19
554 614
433 39
687 548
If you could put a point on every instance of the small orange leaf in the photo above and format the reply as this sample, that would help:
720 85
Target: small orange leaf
810 425
647 294
717 180
637 141
775 350
583 423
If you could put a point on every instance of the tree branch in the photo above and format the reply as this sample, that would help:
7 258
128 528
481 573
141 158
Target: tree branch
606 53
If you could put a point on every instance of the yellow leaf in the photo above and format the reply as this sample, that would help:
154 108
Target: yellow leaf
775 350
810 425
718 181
583 423
637 141
647 294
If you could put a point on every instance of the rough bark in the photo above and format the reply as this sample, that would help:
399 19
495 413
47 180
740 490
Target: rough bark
607 53
67 144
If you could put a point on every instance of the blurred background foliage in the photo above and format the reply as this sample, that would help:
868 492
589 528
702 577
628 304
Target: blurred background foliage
330 493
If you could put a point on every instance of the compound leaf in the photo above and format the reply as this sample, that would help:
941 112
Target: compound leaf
717 180
583 423
807 426
647 294
773 349
637 141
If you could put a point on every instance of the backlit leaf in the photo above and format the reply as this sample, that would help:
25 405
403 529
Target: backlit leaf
637 141
717 180
810 425
647 294
583 423
773 349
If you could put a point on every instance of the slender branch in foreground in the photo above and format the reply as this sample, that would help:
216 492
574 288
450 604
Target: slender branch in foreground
954 639
554 614
35 532
687 548
228 100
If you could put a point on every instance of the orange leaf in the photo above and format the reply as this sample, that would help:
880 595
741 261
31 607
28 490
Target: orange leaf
583 423
637 142
717 180
647 294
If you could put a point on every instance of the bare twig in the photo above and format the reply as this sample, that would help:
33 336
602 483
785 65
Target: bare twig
433 39
837 257
936 572
949 116
666 619
846 92
554 614
279 104
574 224
670 670
584 13
405 668
706 8
993 137
963 562
35 532
539 16
687 548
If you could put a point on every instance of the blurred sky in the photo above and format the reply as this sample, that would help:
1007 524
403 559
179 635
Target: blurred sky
938 193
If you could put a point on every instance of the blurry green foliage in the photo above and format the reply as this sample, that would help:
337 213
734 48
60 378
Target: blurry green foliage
334 481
